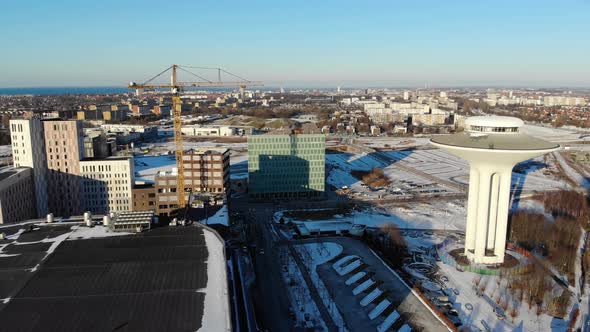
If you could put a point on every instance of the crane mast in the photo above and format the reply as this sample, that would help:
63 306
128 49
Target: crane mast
176 87
179 148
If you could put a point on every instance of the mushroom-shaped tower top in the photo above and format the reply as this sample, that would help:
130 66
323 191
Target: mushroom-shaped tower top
493 124
493 133
492 145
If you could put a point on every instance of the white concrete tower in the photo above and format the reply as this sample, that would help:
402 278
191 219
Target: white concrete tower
492 145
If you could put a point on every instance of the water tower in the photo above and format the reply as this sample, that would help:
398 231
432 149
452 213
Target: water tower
492 145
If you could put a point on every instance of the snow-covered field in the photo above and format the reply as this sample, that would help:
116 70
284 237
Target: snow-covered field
394 142
436 164
449 215
551 134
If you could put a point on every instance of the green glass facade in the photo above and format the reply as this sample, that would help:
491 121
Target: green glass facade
286 166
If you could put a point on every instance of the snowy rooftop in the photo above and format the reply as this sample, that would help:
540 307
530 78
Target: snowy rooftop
76 278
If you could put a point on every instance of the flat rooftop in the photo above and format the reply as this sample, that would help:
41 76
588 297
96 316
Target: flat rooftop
109 158
10 171
211 150
153 281
494 141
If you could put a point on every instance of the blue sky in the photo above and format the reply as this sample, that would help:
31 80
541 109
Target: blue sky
108 42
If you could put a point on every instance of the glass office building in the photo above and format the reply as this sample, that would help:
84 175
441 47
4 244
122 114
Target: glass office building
286 166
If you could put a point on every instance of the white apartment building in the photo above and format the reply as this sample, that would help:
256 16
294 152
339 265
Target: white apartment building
383 115
209 130
28 150
349 101
126 128
429 119
106 184
563 101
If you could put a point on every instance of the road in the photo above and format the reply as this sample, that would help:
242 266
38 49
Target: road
272 298
272 303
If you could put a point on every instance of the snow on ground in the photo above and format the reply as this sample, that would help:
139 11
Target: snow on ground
341 164
98 231
449 215
314 254
446 166
436 163
483 306
301 301
531 206
570 172
216 316
394 142
147 167
472 308
551 134
340 178
349 162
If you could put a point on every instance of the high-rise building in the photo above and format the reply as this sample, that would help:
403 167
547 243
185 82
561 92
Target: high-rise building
286 166
28 150
64 148
492 145
205 171
106 184
55 150
16 199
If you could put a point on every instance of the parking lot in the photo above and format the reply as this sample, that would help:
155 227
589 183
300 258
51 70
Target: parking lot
410 308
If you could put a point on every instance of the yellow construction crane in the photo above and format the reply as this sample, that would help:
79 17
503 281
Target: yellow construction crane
176 87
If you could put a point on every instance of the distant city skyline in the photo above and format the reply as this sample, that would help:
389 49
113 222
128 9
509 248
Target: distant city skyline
379 44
